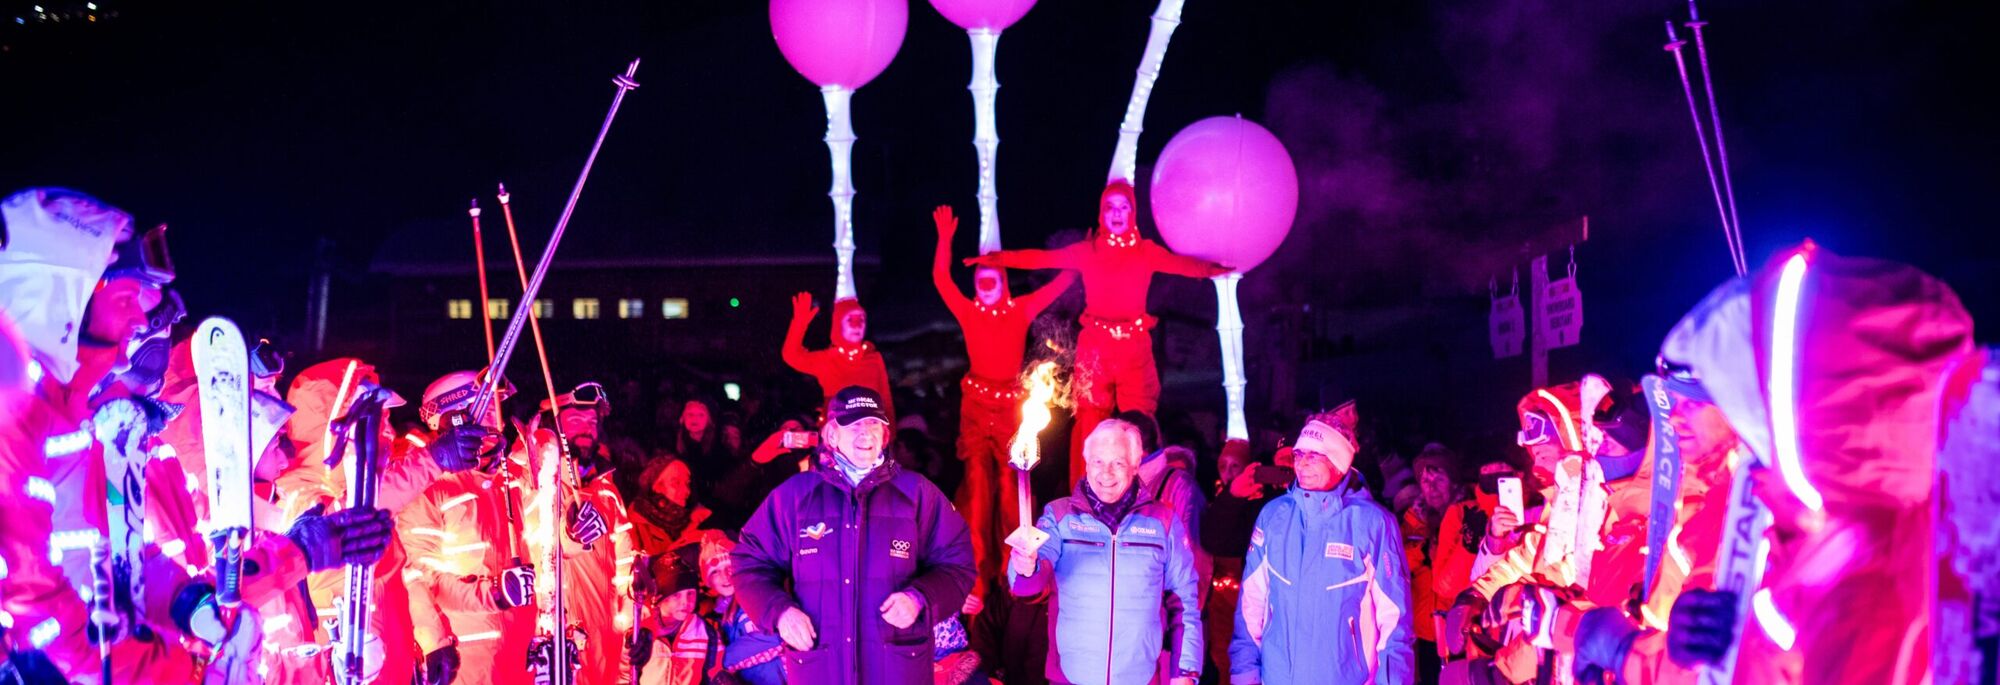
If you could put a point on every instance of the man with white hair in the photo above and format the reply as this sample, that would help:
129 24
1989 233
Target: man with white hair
1110 557
1326 591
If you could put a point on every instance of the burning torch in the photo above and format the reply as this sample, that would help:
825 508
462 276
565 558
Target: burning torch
1025 451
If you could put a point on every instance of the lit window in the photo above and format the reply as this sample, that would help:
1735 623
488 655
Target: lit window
631 309
583 307
545 308
674 308
496 309
458 309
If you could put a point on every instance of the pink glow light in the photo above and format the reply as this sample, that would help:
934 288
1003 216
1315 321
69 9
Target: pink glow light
1784 382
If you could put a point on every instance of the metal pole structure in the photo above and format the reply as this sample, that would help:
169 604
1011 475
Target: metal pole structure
1125 159
840 144
534 319
1229 325
324 279
479 265
505 351
985 132
1715 125
1673 45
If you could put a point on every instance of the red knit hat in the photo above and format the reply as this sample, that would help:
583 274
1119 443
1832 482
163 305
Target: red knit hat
842 306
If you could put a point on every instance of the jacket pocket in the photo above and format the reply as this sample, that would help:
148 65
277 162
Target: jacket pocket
906 664
805 666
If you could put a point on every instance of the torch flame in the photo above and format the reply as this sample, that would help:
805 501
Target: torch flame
1025 450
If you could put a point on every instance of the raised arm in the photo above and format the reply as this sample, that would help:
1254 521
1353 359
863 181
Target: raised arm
1067 257
1166 262
794 350
1033 303
947 226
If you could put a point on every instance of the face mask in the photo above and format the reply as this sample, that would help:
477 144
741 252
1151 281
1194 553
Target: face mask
1488 502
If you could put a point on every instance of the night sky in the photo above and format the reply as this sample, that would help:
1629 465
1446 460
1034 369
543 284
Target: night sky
1431 137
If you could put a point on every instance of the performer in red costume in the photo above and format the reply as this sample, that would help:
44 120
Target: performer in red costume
996 332
1114 353
849 360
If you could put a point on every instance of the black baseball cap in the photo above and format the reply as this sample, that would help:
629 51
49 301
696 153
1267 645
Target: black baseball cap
855 403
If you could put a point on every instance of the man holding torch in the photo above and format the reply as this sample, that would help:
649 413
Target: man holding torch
1116 555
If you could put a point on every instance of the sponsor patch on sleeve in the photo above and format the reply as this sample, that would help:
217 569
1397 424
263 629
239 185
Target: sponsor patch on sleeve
1257 536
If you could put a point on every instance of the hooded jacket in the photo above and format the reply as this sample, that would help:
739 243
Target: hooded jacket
1326 593
54 246
1846 590
322 393
1106 582
836 551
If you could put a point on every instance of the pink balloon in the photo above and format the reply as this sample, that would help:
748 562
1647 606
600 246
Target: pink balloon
983 14
1225 189
843 43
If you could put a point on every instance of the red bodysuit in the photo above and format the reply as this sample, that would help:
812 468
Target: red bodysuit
990 413
1114 353
837 366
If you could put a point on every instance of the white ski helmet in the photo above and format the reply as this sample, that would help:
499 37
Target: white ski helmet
54 246
454 392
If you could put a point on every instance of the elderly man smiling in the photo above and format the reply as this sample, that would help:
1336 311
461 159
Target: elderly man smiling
1110 557
855 561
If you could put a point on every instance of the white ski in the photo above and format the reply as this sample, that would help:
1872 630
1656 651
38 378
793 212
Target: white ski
222 365
121 426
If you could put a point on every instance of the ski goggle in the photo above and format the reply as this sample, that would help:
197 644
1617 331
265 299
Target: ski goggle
1539 429
589 394
164 315
1681 379
144 257
266 360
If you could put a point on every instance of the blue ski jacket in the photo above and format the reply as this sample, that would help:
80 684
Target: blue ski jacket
1107 590
1326 594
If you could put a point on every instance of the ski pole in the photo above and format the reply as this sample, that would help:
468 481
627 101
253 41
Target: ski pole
505 351
1674 44
479 265
534 320
1715 125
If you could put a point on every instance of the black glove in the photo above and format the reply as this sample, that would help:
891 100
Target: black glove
1603 637
640 649
194 612
586 525
514 588
458 448
441 666
31 667
1701 628
349 536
